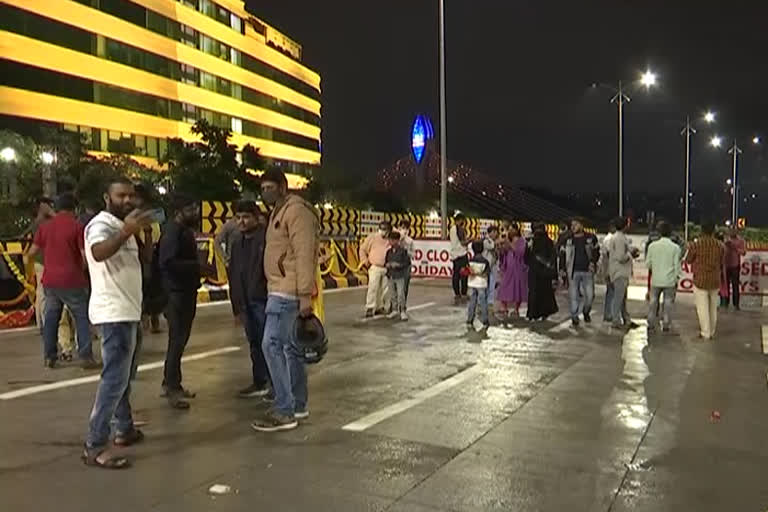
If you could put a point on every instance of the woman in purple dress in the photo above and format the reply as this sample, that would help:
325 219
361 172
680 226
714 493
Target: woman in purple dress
513 286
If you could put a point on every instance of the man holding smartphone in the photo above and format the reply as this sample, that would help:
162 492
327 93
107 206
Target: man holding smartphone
115 307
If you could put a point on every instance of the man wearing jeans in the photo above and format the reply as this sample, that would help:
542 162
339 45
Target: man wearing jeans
180 271
248 290
735 249
619 271
582 253
290 260
115 307
663 260
64 282
706 255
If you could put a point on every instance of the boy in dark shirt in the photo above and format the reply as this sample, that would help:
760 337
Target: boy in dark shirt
479 271
398 265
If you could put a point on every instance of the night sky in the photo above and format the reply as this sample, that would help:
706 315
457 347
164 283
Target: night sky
519 101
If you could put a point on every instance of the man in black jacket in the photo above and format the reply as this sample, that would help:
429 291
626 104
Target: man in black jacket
180 270
248 289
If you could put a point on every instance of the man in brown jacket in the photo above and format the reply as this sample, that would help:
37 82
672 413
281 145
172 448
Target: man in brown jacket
290 259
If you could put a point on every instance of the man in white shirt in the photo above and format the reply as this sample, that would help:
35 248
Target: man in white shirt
460 257
115 307
664 264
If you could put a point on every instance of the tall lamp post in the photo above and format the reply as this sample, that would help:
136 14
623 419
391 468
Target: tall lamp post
689 130
443 135
734 151
647 79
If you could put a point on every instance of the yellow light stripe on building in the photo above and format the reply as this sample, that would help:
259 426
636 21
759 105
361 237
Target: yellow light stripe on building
56 58
94 21
295 181
34 105
212 28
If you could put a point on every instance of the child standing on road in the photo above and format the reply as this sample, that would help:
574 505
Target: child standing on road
398 265
479 271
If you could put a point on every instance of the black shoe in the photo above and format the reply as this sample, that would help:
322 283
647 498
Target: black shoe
457 301
574 322
49 363
633 325
369 313
90 364
253 391
587 318
269 398
274 422
176 400
470 326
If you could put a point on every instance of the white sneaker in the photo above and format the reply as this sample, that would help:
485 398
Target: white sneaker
393 315
301 415
404 316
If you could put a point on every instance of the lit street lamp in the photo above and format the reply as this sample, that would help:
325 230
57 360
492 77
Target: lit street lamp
689 130
8 154
733 181
648 80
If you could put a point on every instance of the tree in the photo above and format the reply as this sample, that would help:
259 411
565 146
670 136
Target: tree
210 169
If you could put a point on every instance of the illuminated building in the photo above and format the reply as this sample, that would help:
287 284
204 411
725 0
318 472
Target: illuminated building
128 74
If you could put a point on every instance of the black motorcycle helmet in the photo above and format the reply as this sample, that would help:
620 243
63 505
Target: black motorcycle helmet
310 339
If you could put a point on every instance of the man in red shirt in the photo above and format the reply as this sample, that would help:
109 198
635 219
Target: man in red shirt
735 248
61 242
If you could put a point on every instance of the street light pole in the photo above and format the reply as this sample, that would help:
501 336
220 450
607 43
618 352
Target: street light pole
443 135
620 98
687 131
735 150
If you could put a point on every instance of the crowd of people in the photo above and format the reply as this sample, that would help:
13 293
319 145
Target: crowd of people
113 278
110 275
506 269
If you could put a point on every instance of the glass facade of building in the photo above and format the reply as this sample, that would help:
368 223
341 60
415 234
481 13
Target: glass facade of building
130 73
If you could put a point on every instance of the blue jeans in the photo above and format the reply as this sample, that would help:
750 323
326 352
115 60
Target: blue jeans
669 306
583 282
76 299
620 314
608 306
491 290
118 345
253 321
478 297
285 363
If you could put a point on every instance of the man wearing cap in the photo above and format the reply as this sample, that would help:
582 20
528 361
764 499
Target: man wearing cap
290 260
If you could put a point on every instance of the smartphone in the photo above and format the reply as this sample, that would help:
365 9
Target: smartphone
157 215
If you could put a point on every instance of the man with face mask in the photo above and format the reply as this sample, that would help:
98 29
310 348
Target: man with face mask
373 252
180 271
290 261
115 307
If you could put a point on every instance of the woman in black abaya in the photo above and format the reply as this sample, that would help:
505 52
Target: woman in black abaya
541 259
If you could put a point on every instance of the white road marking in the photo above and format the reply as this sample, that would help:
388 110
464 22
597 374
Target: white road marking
95 378
367 422
764 332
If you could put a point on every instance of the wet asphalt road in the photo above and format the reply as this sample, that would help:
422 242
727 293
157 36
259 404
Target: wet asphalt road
527 418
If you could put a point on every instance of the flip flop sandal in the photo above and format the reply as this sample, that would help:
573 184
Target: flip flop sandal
134 437
114 462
